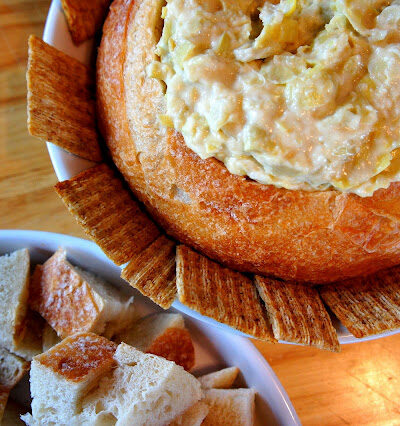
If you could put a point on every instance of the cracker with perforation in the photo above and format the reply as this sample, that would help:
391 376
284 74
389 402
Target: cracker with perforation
297 314
220 293
107 213
366 305
61 101
84 17
152 272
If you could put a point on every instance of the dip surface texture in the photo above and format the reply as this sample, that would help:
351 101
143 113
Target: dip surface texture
298 94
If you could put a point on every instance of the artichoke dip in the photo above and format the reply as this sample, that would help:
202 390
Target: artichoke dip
298 94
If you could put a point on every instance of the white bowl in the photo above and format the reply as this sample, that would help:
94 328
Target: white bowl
67 165
214 349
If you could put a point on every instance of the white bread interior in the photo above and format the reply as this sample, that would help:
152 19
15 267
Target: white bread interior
143 390
194 416
222 379
230 407
73 300
12 368
118 385
14 293
117 310
146 330
61 377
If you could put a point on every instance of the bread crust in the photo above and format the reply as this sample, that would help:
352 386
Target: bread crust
316 237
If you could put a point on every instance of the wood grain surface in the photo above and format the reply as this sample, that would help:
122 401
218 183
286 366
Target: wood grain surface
361 385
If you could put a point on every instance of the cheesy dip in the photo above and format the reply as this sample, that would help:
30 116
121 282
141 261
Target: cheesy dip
299 94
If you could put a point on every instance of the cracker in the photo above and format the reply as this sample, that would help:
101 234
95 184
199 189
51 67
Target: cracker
220 293
297 314
366 305
107 213
152 272
61 101
84 17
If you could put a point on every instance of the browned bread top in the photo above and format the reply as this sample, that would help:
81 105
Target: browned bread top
79 355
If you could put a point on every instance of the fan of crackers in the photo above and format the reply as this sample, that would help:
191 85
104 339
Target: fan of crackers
61 110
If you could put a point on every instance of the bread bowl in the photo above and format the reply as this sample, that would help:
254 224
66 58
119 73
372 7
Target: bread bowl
314 236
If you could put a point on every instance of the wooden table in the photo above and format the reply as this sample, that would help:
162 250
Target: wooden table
361 385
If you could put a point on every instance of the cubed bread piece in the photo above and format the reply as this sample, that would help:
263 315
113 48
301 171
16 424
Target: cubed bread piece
162 334
12 368
61 377
144 389
222 379
15 333
73 300
194 416
230 407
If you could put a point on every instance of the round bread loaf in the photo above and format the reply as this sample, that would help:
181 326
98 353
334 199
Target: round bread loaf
317 237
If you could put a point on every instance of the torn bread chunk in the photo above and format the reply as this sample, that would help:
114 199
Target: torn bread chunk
61 377
366 305
4 393
61 101
12 368
72 300
220 293
230 407
162 334
297 314
193 416
84 17
144 389
152 272
107 213
222 379
19 327
14 293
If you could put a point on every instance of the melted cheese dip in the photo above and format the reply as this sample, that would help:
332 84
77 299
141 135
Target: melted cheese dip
298 94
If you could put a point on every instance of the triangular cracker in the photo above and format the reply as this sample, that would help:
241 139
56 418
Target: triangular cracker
297 314
366 305
84 17
61 104
152 272
107 213
220 293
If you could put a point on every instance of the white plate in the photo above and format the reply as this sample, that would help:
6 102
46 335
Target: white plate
214 348
67 165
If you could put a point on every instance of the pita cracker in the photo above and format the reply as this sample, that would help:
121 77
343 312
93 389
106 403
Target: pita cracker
366 305
297 314
84 17
107 213
152 272
220 293
61 103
